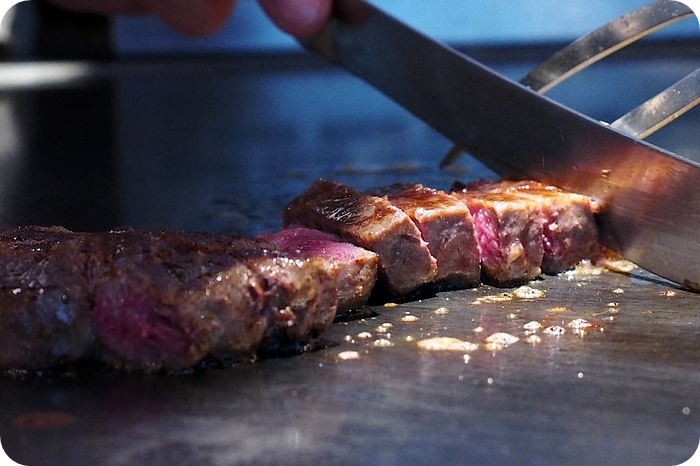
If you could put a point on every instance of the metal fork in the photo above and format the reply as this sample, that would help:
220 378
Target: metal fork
650 116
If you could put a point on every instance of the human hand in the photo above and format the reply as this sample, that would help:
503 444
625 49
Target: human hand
200 17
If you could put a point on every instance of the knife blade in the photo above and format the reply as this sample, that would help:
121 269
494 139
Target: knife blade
650 196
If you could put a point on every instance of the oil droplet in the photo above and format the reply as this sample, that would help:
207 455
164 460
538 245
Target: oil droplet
554 330
579 324
348 355
502 338
527 292
384 328
441 311
409 318
383 343
532 325
446 344
494 299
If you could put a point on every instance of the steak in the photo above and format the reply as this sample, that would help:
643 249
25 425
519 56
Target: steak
371 222
357 267
569 230
154 300
167 300
447 226
45 303
508 234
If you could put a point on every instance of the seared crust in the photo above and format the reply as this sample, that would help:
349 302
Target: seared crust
370 222
447 226
45 304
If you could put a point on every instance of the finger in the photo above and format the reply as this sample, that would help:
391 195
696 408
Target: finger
300 18
192 17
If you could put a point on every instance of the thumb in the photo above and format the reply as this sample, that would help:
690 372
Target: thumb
300 18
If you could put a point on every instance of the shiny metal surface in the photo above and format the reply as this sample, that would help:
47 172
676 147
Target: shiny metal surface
651 209
661 109
624 392
605 41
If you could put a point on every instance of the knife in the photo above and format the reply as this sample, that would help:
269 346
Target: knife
650 196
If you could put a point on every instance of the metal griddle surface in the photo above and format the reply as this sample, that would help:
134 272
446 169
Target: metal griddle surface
222 152
625 392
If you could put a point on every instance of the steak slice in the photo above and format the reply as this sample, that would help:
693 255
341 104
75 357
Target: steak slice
371 222
569 230
168 300
357 267
447 226
45 306
509 236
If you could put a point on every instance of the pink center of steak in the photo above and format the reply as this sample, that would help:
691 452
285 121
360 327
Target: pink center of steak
133 325
357 267
314 243
487 230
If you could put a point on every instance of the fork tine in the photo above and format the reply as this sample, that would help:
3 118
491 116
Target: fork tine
595 46
661 109
603 42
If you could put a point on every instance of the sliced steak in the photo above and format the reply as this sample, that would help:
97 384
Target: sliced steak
166 300
569 230
357 267
45 305
509 236
373 223
446 225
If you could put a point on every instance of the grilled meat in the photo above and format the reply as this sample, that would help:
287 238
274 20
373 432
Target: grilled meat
370 222
45 303
357 267
156 300
446 225
509 236
569 231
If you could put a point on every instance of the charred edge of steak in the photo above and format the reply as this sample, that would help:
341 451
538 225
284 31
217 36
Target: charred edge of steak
45 304
357 267
569 228
509 236
301 299
447 227
370 222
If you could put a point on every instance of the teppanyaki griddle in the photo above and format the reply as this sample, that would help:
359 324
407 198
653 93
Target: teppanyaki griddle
226 155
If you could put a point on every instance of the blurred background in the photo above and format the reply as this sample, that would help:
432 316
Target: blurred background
121 121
